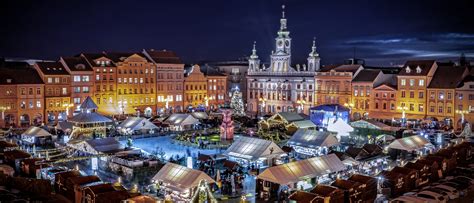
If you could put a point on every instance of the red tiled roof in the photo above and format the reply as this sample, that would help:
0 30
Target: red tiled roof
163 56
425 66
77 64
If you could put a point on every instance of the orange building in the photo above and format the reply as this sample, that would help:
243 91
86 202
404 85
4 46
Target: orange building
362 85
105 83
57 94
81 79
333 84
383 98
216 86
413 79
136 83
195 89
21 95
441 92
169 80
464 101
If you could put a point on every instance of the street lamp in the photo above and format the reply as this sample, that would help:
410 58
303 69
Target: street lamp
403 109
3 109
263 101
301 103
462 112
67 106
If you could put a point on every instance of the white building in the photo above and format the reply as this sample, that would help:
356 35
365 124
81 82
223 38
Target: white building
281 87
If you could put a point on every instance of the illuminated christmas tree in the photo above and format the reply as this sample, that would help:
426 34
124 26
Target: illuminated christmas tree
237 104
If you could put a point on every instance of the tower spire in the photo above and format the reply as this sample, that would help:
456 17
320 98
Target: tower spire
254 51
283 19
283 11
313 49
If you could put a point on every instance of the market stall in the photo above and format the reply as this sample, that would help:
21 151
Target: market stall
88 123
303 124
320 115
305 197
352 190
309 143
301 174
7 146
451 156
329 193
410 144
434 172
423 172
7 170
464 150
340 127
37 136
411 176
181 182
393 184
369 186
181 122
254 151
442 163
136 125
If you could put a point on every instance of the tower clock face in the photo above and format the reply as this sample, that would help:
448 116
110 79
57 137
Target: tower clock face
287 43
280 43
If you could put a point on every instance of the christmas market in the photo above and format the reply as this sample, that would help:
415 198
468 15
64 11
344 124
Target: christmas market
311 143
257 152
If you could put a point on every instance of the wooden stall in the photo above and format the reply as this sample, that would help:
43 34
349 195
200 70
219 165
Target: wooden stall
395 182
352 190
423 172
369 186
329 193
410 175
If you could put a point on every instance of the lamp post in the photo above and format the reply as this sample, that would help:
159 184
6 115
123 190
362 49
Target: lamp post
3 109
263 101
462 112
301 103
403 109
67 106
167 105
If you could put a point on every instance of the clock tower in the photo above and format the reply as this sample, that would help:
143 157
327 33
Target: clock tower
281 58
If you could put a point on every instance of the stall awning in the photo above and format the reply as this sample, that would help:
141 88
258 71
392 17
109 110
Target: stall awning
410 143
304 124
178 119
180 178
372 124
340 127
36 132
313 139
253 148
299 170
137 123
200 115
98 146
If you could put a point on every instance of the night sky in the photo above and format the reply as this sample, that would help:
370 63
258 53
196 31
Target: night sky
382 32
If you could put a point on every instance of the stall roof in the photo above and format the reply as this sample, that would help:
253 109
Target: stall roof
326 190
300 170
303 197
91 117
180 178
288 116
410 143
181 119
137 123
340 127
142 199
253 148
200 115
372 124
64 125
98 146
36 132
304 124
313 138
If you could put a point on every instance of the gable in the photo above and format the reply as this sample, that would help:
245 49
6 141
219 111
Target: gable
384 88
135 58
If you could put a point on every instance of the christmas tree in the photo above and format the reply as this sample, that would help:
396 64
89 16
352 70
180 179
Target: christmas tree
237 104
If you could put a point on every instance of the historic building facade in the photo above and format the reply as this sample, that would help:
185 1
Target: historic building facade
81 79
136 83
333 84
281 87
195 89
21 95
169 80
104 82
57 94
216 87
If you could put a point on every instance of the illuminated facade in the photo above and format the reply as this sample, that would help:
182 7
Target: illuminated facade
384 101
413 79
136 83
281 87
464 101
104 82
216 87
21 98
57 94
442 92
81 79
362 87
169 80
333 84
195 89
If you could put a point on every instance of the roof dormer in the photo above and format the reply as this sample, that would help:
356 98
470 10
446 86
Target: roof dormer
418 69
408 69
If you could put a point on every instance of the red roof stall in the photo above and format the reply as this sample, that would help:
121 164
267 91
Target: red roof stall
368 185
352 190
329 193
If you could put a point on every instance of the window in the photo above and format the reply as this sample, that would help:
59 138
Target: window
432 109
412 82
355 91
450 95
38 104
23 91
77 100
440 109
97 77
412 94
460 96
85 78
119 80
56 80
412 107
38 90
471 97
50 80
376 105
420 108
141 80
421 82
30 91
403 94
30 104
77 89
421 95
384 106
441 95
85 89
22 104
403 82
448 109
64 90
77 78
432 94
179 97
392 106
170 98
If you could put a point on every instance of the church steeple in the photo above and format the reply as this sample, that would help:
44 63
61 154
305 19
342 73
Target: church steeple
283 19
254 62
313 59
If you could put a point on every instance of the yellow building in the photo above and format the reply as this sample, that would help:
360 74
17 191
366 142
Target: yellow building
195 89
413 79
442 93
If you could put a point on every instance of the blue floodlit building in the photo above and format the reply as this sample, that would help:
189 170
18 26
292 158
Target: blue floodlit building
320 115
